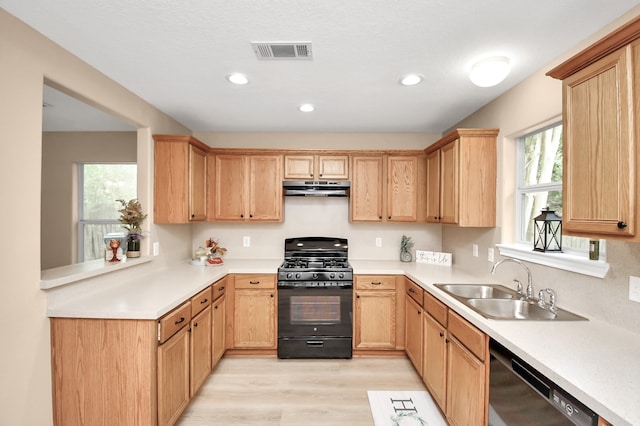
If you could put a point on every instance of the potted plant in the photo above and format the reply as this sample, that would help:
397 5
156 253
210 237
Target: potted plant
131 218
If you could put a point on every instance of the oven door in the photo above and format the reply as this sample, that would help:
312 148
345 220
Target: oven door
315 312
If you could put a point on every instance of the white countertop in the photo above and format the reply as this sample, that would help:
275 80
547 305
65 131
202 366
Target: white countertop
597 363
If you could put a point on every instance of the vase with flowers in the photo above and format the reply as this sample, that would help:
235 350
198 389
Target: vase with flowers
131 218
215 252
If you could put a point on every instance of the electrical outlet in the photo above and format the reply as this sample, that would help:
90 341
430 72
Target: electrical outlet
475 250
378 242
156 248
246 241
490 254
634 288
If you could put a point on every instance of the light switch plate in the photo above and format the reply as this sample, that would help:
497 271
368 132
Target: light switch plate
156 248
378 242
246 241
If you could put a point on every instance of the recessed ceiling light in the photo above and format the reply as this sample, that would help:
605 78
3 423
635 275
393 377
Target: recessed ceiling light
238 78
306 107
490 72
411 79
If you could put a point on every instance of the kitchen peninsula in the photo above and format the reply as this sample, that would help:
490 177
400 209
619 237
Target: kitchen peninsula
589 359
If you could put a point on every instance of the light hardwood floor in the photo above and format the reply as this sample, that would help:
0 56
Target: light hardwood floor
271 391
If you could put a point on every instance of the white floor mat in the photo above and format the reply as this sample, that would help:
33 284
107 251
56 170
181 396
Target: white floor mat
404 408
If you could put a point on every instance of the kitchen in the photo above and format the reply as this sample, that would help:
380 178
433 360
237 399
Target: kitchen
604 299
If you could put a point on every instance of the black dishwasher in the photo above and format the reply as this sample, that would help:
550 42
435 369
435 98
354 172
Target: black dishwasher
520 395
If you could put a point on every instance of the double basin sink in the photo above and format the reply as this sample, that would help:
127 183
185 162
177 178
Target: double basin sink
498 302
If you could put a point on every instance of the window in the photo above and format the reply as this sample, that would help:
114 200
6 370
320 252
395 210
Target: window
99 186
540 184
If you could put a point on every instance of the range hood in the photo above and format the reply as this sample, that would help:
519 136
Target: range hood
316 188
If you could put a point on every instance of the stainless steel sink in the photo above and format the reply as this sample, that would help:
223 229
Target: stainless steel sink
498 302
478 291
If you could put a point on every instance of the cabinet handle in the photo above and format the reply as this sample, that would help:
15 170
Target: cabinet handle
195 324
622 225
221 288
310 174
242 215
320 174
446 340
250 215
192 216
411 290
215 307
419 313
271 295
202 302
389 217
441 334
254 282
357 296
376 283
181 320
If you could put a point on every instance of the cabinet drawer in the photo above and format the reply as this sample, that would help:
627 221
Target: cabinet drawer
255 281
200 301
474 339
219 288
436 309
415 291
174 321
375 282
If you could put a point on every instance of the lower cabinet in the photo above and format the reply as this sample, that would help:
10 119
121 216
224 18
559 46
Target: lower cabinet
173 377
413 325
219 325
254 312
375 312
201 335
456 364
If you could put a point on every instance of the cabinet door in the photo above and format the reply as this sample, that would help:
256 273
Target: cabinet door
200 349
599 162
173 377
171 176
298 167
366 190
465 386
265 189
197 184
333 167
230 172
254 317
449 182
402 185
413 339
219 324
433 187
375 323
435 360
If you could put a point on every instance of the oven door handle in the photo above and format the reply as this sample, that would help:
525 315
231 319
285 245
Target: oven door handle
315 343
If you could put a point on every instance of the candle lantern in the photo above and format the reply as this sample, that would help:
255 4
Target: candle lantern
547 236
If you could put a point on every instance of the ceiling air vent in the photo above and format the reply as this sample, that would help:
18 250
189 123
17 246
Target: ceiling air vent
282 50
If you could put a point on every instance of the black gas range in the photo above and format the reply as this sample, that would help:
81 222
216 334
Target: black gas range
315 296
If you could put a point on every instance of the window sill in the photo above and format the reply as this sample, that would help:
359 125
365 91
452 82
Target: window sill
567 262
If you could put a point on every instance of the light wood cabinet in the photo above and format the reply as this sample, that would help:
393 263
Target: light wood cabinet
461 178
601 130
173 377
375 312
255 312
388 188
180 179
414 326
316 167
247 188
456 364
201 335
219 317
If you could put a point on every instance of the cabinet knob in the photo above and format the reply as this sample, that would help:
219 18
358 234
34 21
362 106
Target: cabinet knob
250 215
446 340
622 225
195 324
419 313
271 295
241 215
320 175
441 334
389 217
379 217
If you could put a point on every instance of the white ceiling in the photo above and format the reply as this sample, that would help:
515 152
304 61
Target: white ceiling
176 54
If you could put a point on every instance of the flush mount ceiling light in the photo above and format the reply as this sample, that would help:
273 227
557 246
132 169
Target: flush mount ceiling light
238 78
306 107
411 79
489 72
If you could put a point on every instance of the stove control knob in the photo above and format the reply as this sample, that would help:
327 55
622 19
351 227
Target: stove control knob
289 274
332 275
341 275
298 275
315 275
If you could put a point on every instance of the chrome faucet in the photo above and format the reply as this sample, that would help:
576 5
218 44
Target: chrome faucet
529 278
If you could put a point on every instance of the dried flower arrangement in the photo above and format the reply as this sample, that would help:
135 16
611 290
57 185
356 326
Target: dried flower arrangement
214 248
131 217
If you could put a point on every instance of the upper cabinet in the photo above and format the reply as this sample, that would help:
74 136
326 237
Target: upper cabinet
316 167
601 130
246 188
180 171
461 178
388 188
